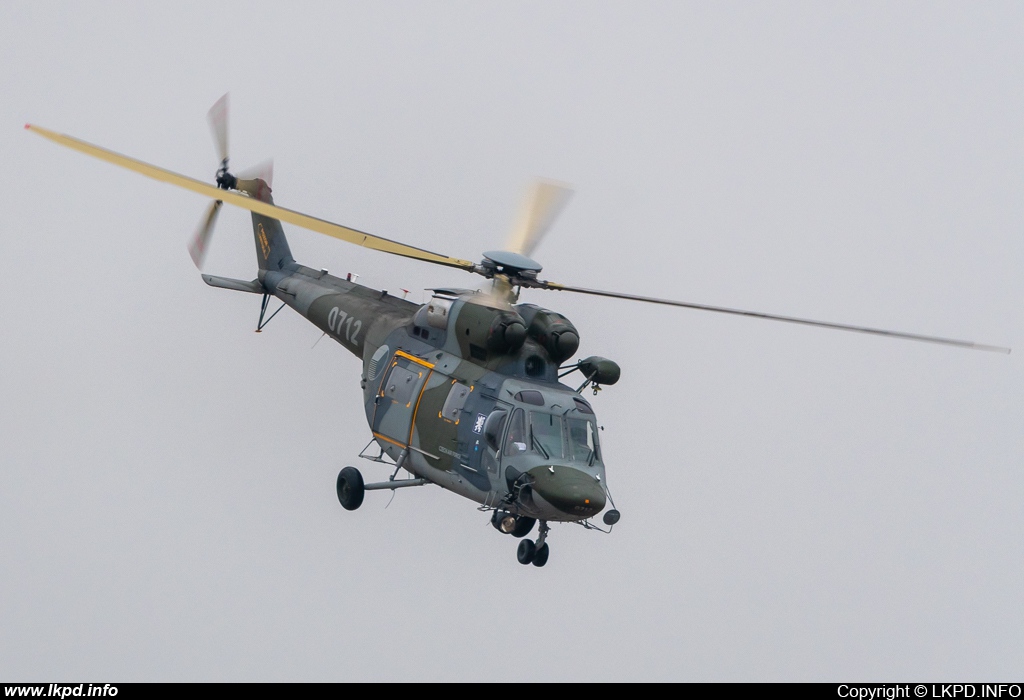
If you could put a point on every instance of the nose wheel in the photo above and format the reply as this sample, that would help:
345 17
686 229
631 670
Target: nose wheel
536 553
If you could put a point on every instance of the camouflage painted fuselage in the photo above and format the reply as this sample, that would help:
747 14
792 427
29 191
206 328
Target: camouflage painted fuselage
434 374
458 392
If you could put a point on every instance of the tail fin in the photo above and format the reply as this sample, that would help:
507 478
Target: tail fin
272 251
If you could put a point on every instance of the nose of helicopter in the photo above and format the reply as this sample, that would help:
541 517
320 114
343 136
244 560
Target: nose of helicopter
570 490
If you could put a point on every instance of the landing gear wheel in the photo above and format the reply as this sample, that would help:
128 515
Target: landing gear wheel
526 552
350 488
540 556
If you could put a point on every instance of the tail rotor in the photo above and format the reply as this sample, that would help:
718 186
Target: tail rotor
217 118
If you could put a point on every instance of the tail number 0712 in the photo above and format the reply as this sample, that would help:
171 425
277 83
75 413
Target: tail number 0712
343 325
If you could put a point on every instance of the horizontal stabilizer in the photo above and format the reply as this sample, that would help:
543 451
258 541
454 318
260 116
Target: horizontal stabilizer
253 287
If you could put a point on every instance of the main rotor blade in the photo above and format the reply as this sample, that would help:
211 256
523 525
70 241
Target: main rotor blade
772 317
328 228
544 202
197 247
218 118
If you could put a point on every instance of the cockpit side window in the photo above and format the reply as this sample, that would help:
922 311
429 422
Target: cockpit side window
515 441
583 440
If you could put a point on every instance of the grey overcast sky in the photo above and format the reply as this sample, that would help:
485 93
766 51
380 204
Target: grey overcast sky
798 504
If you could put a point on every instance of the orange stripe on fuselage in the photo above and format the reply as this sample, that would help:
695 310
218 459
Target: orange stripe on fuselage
413 358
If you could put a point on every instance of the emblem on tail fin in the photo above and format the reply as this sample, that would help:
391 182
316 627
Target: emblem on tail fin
264 243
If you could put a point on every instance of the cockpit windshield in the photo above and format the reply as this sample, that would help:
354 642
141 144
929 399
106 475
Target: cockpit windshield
556 437
547 434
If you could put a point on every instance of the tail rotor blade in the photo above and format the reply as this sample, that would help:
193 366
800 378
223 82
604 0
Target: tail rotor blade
218 118
197 247
261 171
544 202
257 180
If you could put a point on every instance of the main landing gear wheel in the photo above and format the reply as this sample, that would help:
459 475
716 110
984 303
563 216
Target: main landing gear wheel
350 488
525 553
535 553
530 553
540 556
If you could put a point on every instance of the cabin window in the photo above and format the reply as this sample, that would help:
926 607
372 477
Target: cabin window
455 401
582 406
400 385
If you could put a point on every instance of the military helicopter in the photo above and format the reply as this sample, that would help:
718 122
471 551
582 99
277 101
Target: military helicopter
464 391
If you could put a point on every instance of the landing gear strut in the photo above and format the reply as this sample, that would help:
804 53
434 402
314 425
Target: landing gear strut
536 553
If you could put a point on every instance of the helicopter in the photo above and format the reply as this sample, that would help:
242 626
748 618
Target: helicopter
465 391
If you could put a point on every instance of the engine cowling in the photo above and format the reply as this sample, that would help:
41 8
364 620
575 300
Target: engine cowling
553 331
484 331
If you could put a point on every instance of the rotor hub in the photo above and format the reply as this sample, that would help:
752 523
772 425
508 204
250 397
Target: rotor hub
513 265
225 180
